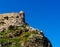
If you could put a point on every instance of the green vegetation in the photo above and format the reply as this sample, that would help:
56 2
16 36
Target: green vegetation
17 36
14 34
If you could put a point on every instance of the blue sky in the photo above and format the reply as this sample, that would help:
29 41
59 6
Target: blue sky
41 14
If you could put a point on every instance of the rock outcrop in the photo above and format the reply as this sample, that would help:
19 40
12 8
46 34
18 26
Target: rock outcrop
15 32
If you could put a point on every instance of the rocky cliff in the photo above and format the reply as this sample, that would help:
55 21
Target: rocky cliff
15 32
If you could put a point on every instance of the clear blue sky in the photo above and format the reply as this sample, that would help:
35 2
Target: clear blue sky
41 14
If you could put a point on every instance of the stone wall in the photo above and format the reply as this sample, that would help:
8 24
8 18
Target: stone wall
14 19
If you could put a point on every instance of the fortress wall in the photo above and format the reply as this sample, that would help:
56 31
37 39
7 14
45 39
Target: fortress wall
8 19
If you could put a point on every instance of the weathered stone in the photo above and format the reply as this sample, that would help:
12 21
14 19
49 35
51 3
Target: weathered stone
12 20
13 25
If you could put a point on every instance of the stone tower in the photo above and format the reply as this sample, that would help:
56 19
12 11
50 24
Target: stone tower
22 15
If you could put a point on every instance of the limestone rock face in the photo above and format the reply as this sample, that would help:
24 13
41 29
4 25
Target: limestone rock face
15 32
